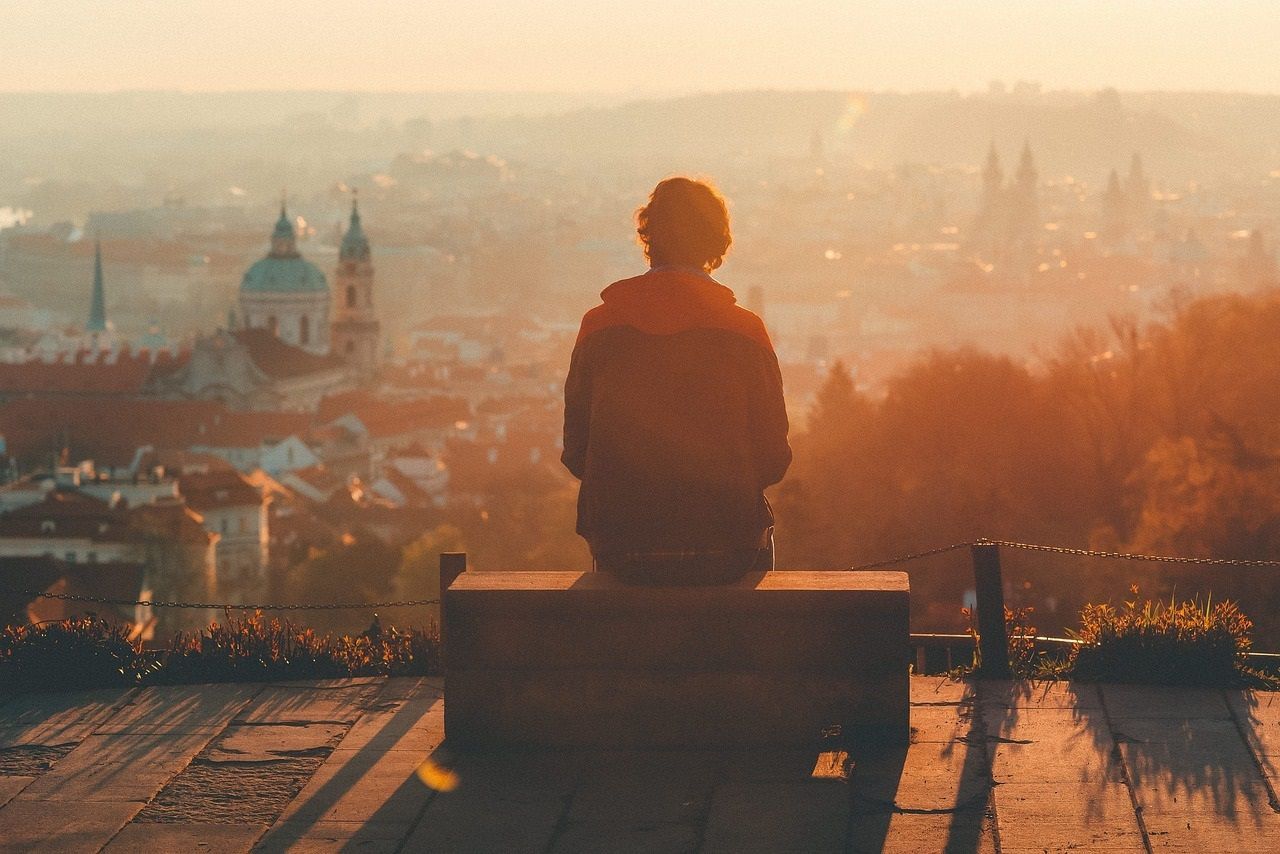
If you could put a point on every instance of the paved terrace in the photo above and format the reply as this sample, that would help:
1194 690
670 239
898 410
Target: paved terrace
330 766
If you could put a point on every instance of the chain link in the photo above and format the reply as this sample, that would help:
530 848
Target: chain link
1065 550
893 561
223 606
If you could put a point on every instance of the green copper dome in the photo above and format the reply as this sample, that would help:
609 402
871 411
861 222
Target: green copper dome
284 271
284 275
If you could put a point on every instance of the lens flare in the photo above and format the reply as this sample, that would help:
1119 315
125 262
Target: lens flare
436 777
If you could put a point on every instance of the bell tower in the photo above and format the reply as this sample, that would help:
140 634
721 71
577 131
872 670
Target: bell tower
356 330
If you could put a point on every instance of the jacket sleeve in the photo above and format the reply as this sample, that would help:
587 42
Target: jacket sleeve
577 411
769 422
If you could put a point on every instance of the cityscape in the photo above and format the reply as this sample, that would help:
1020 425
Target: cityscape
724 427
212 388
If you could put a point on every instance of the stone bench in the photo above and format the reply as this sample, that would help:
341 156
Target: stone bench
567 659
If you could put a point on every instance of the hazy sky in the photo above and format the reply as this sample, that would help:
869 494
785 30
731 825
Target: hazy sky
651 46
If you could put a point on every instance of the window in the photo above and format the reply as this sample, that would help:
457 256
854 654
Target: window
273 324
304 330
351 296
48 526
351 347
225 527
92 557
69 557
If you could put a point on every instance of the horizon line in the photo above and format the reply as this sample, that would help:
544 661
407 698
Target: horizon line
637 93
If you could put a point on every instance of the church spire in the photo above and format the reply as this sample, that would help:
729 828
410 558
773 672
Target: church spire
98 308
1027 175
284 240
355 245
992 173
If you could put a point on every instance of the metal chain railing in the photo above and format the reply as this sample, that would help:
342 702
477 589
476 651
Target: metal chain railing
1067 550
907 558
224 606
1202 561
880 564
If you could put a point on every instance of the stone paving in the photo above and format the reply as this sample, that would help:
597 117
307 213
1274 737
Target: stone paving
332 766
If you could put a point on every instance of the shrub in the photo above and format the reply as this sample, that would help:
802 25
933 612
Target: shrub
86 652
90 652
256 648
1173 643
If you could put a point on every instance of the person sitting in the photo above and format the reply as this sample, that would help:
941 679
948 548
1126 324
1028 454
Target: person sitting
674 416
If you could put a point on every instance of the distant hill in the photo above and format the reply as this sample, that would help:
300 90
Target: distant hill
1177 134
307 139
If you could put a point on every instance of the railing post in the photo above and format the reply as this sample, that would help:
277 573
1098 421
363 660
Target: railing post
993 640
452 564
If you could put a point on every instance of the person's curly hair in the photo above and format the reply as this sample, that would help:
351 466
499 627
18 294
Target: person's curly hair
685 222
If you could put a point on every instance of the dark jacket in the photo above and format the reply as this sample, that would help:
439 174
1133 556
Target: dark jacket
674 418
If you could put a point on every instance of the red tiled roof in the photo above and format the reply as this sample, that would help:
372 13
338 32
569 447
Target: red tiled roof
279 360
178 462
337 405
172 520
218 489
72 514
492 326
320 477
106 429
385 419
251 429
127 375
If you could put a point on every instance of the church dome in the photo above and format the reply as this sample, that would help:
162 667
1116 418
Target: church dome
284 275
284 271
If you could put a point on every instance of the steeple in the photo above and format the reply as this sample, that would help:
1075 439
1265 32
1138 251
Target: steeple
356 330
992 174
284 240
98 308
1027 175
1138 187
355 246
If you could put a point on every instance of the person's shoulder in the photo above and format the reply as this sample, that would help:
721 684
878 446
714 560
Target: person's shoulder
748 324
594 320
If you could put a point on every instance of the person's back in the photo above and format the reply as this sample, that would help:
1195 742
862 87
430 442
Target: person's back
674 417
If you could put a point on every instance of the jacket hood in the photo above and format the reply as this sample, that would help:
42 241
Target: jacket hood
667 301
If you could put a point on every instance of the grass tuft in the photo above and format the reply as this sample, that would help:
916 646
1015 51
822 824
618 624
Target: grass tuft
1165 643
89 652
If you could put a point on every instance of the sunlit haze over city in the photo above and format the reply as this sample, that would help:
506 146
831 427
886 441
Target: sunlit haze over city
763 425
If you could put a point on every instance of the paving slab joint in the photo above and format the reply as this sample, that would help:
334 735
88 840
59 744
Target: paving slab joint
1118 738
1272 799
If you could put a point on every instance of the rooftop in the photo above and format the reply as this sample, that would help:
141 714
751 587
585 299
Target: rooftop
336 764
